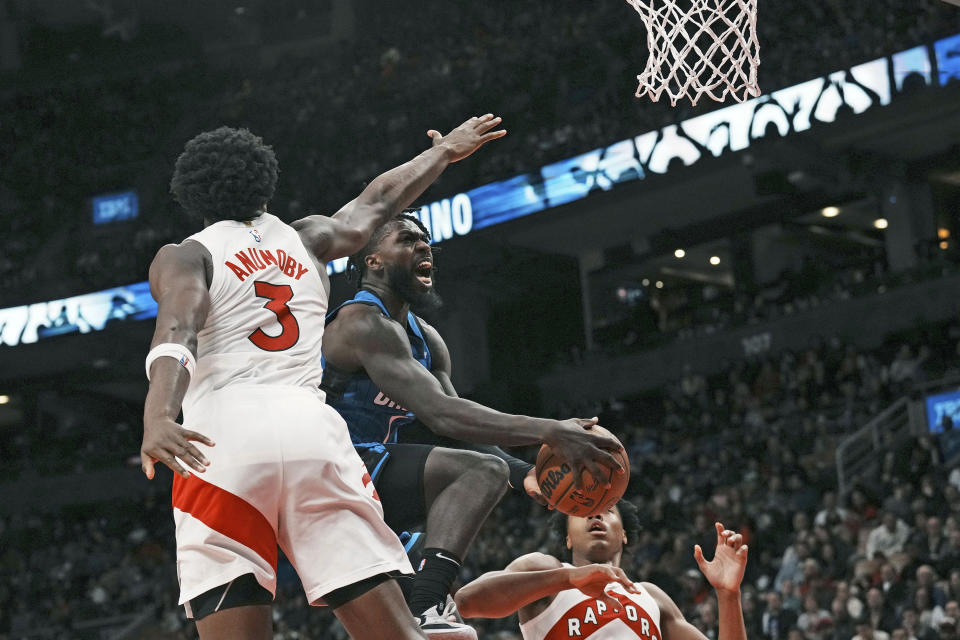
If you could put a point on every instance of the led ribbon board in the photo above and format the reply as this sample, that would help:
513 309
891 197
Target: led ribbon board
733 128
77 314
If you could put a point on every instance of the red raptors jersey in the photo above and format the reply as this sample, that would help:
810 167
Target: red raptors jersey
572 614
267 304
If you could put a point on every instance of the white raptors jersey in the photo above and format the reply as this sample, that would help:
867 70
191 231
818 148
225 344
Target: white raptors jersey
267 306
573 614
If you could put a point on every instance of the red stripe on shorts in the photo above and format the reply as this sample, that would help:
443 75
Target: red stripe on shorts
226 513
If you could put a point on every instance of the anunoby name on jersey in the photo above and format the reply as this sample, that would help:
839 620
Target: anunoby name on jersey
253 260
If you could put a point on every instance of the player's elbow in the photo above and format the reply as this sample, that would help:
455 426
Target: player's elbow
481 599
439 412
353 238
363 217
446 424
468 603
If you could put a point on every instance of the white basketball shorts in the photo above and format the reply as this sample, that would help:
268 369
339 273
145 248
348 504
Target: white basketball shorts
282 472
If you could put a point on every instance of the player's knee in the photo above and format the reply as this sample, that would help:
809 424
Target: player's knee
495 471
481 471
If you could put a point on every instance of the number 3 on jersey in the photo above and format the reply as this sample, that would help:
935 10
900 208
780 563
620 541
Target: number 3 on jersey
278 295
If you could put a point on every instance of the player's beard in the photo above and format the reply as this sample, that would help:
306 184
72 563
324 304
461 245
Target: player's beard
422 303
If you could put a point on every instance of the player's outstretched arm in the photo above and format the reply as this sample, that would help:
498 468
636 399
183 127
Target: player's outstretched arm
363 338
349 229
178 284
724 573
529 583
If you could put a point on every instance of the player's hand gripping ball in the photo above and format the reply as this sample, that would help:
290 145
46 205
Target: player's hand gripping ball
555 478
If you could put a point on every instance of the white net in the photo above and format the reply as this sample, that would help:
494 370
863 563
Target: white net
708 47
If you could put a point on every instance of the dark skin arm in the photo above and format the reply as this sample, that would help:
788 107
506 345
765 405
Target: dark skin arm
178 282
441 368
349 229
529 584
362 338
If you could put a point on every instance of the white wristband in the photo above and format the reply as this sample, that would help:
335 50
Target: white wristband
172 350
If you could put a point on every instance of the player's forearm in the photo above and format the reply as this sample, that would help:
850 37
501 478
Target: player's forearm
389 193
730 616
501 593
466 420
168 385
169 380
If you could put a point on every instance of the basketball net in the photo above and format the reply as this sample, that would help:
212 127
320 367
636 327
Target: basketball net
710 49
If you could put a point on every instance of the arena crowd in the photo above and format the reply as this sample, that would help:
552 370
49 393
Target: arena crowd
752 447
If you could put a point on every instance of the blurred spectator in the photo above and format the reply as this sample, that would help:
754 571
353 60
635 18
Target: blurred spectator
927 579
925 606
866 632
948 629
954 583
813 619
707 619
830 513
777 621
951 612
791 568
891 585
899 502
862 506
888 538
954 478
904 366
844 625
930 542
878 614
915 627
789 595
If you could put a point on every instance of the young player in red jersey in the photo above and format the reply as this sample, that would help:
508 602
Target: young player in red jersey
593 597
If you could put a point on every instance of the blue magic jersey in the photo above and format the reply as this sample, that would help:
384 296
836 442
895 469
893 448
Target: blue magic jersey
371 415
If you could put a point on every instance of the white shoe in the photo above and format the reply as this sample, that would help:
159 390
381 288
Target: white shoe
444 624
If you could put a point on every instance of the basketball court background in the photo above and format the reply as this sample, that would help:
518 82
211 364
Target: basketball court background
759 298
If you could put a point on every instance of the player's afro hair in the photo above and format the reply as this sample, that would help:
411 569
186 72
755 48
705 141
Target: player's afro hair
225 174
629 515
357 264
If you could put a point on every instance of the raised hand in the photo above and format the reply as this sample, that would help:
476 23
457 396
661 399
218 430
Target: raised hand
592 579
725 571
164 440
574 441
469 136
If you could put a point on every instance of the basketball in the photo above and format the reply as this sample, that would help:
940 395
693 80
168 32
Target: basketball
555 479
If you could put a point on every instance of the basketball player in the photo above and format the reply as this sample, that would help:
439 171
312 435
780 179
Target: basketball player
237 345
593 597
387 371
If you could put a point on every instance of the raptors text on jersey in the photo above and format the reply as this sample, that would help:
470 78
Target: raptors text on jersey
573 614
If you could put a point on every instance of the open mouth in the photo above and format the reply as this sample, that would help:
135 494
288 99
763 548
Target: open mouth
424 272
598 527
